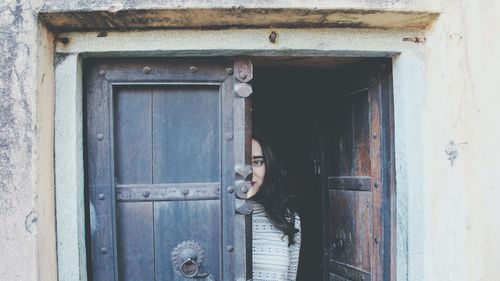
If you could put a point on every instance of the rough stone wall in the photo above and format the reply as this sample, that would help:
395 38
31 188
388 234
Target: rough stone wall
18 216
460 148
61 5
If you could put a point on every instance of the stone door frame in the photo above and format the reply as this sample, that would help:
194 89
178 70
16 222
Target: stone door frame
403 45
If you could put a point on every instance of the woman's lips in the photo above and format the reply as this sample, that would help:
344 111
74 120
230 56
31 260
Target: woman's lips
253 183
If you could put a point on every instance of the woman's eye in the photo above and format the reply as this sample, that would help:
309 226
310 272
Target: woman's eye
257 163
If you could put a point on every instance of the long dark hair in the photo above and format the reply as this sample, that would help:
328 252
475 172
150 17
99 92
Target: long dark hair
271 194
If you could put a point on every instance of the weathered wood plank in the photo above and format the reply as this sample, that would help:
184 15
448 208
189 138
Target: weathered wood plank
186 134
242 158
134 234
100 169
360 135
351 228
375 99
163 70
133 139
344 141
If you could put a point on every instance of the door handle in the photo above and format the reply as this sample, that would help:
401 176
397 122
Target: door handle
190 269
339 244
187 258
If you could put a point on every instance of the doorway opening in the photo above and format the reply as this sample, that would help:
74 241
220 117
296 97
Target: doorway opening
330 122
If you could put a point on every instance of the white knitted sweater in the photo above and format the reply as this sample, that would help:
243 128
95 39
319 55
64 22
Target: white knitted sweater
273 260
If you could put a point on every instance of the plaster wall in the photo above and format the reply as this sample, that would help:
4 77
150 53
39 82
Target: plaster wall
447 145
461 124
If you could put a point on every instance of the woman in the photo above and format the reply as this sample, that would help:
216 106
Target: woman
275 229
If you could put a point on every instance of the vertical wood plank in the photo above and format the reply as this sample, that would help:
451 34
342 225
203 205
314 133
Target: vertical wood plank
345 138
186 134
388 176
100 178
134 236
362 167
133 141
361 135
350 230
376 172
242 157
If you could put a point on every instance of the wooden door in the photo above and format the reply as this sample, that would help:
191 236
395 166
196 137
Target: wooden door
167 154
356 179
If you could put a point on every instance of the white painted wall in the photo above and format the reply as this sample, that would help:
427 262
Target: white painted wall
462 106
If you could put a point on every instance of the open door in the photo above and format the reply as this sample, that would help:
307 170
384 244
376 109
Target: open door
354 167
167 164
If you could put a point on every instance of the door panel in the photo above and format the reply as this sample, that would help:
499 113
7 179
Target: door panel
357 198
167 134
350 196
160 149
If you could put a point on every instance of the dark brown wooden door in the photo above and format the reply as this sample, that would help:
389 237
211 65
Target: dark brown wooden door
356 164
167 151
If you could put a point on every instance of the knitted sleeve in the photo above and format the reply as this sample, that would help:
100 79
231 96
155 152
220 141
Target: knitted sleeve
294 251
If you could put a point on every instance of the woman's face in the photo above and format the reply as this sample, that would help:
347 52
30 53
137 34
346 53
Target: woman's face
259 168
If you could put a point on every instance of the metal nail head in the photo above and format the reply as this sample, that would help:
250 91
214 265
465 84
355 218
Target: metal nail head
104 250
273 36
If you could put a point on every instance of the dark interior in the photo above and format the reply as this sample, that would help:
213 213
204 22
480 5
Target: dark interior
289 99
281 109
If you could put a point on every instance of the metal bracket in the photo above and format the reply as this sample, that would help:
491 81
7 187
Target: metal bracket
243 171
245 209
243 73
242 184
350 273
242 188
243 90
243 69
